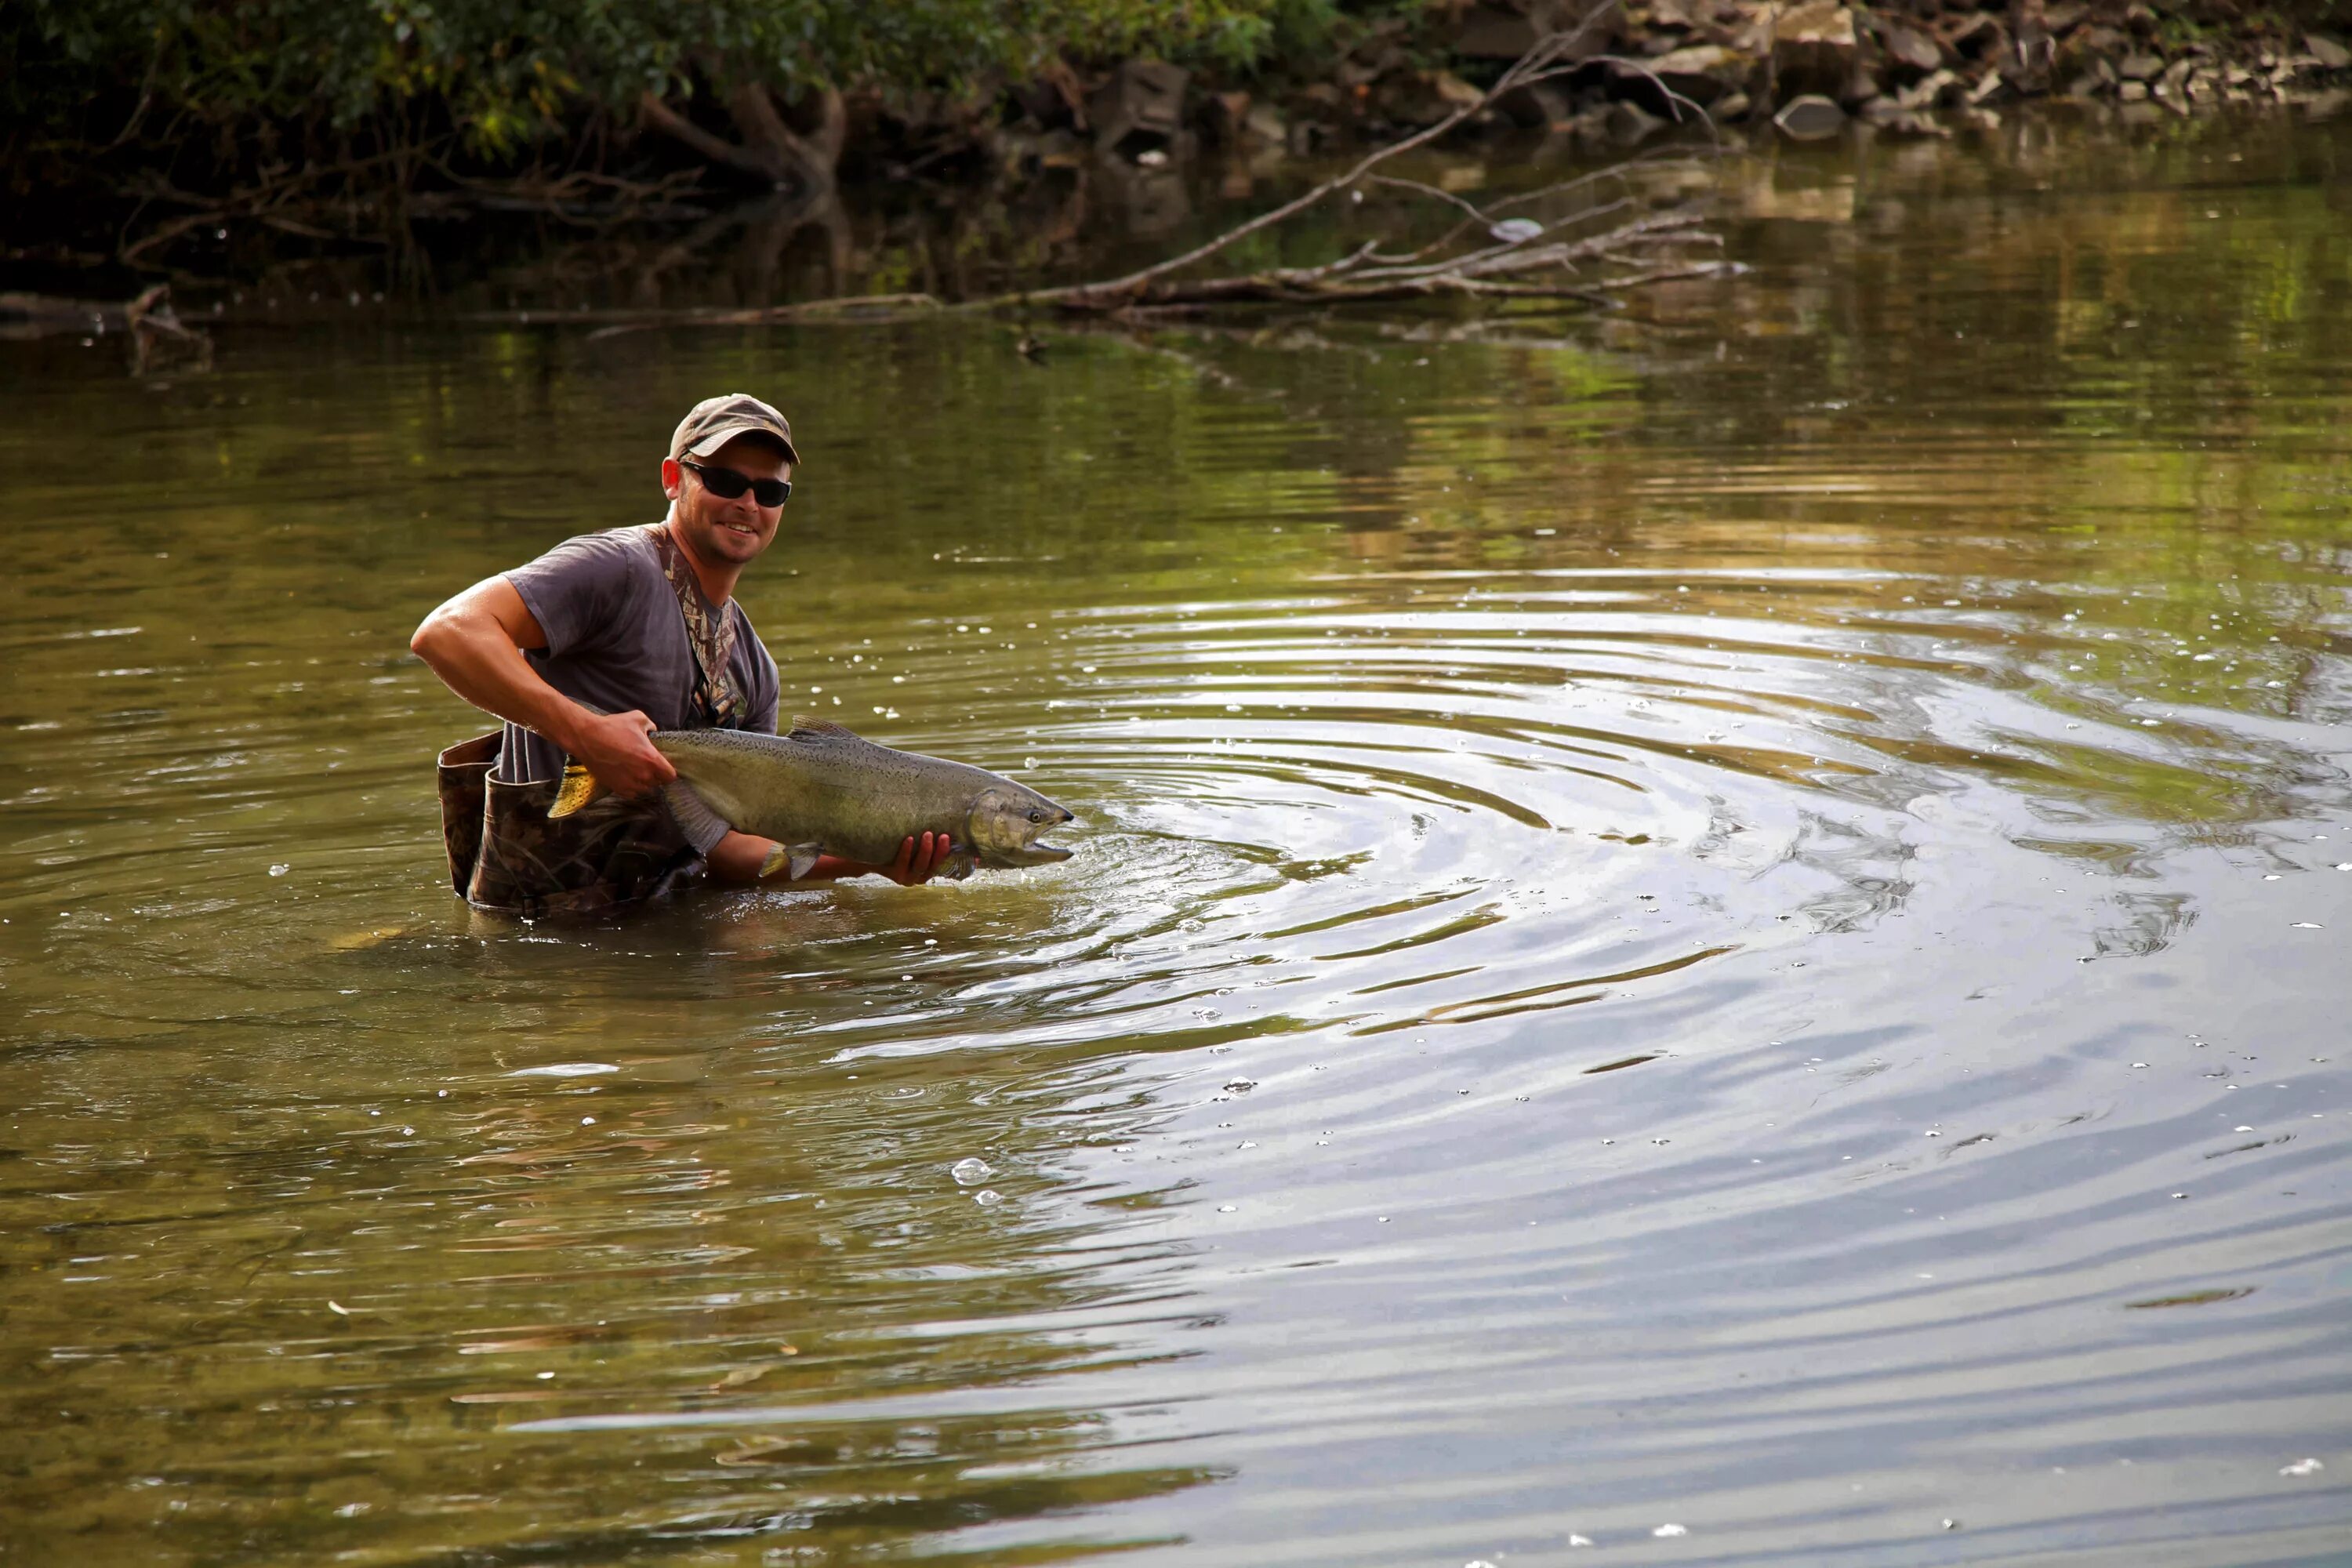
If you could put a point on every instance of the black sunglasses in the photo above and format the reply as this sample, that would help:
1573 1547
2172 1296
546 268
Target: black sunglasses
729 485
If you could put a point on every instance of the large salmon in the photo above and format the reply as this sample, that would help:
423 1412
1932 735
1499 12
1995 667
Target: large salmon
823 789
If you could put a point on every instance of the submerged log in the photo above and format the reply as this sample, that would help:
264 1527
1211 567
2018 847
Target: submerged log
147 320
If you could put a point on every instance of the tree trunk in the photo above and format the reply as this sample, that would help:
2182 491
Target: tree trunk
771 149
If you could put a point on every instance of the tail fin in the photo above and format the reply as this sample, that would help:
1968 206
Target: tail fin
580 787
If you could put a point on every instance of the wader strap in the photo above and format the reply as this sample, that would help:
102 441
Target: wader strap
717 704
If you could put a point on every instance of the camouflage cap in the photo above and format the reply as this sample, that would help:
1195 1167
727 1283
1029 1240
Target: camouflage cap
715 421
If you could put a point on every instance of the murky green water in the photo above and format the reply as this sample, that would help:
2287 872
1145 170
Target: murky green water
1731 920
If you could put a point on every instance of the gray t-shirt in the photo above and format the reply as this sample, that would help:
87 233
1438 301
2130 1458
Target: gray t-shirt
616 640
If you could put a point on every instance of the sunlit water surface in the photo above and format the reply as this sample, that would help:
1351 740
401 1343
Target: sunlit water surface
1722 934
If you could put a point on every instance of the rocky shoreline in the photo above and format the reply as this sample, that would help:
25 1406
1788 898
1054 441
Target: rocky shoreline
1806 69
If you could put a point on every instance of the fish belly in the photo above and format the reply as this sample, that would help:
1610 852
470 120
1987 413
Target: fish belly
796 794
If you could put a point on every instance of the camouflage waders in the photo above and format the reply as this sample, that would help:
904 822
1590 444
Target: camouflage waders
508 856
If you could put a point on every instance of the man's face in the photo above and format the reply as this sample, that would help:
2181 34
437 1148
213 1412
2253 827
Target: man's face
730 532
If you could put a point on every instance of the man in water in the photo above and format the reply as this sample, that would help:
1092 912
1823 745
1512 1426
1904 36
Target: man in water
586 651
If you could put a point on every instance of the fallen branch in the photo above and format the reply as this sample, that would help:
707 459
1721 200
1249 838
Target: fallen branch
1135 286
147 320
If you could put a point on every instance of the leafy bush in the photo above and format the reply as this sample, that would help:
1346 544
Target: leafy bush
508 71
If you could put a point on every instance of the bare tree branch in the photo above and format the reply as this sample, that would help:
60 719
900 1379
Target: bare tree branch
1528 67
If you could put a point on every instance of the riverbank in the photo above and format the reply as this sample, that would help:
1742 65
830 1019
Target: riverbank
1143 132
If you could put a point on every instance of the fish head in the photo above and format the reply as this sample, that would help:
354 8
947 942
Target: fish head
1005 823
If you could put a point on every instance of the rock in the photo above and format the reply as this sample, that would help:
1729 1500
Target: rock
1630 122
1991 84
1509 29
1929 91
1491 33
1909 47
1730 106
2139 67
1813 46
1322 100
1809 118
1424 98
2133 92
1703 72
2059 19
1536 107
2330 54
1979 36
1143 103
1225 117
1264 124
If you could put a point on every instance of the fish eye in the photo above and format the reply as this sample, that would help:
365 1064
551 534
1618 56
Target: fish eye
1035 815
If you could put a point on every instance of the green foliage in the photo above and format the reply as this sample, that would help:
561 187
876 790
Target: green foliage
507 71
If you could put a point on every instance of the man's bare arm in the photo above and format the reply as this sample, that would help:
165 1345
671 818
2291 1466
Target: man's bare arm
738 856
475 643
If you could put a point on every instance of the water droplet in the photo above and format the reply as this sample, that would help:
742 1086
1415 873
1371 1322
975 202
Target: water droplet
278 870
1240 1085
969 1171
988 1198
2301 1467
1227 1208
1666 1532
2139 1064
587 1121
1580 1541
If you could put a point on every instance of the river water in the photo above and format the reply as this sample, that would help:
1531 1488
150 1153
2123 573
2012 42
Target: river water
1719 932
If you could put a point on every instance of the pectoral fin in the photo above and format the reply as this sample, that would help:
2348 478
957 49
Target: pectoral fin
693 813
580 787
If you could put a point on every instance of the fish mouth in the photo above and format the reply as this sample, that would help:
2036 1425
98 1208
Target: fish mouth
1041 854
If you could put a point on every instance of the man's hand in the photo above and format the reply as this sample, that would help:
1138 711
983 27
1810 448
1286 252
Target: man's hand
613 747
919 862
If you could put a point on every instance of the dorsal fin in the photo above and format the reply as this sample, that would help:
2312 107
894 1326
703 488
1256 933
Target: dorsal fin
804 725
